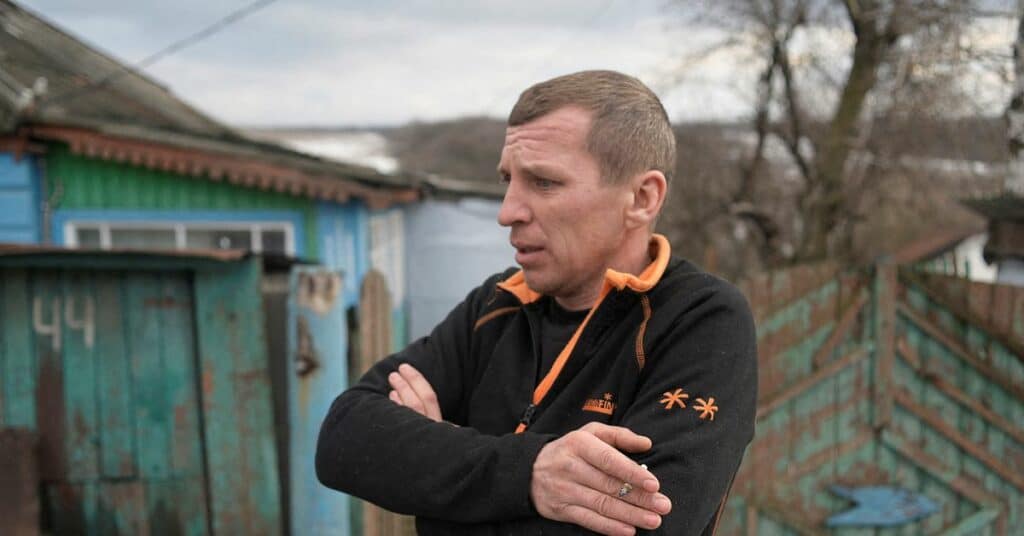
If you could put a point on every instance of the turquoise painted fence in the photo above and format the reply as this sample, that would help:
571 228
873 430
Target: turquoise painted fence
317 351
147 384
884 376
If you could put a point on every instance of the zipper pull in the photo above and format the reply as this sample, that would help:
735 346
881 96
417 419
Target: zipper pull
527 417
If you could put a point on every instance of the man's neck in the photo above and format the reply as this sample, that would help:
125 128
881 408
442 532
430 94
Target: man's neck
633 258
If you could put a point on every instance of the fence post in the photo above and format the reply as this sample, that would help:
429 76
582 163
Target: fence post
883 318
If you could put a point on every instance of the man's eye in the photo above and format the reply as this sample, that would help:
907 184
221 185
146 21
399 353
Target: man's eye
505 178
544 184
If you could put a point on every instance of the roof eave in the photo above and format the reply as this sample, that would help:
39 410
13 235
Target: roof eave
222 161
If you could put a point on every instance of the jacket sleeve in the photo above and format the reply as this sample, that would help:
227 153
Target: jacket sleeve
390 455
697 402
706 348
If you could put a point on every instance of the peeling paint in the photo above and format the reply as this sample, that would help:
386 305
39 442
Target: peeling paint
319 291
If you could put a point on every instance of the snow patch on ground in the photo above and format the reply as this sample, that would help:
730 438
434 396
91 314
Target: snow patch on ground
353 147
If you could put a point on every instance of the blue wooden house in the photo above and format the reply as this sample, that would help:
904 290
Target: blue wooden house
96 156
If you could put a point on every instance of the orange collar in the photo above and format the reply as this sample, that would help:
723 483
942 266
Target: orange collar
516 284
659 248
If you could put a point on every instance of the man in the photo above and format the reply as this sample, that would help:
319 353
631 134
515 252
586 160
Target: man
604 386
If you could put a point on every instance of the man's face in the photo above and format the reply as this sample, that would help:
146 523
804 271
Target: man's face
566 222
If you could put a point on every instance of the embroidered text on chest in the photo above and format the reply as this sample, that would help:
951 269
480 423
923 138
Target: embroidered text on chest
600 405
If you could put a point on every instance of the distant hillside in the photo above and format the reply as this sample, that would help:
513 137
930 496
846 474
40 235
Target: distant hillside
467 148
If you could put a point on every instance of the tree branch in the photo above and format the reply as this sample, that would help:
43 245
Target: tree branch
796 131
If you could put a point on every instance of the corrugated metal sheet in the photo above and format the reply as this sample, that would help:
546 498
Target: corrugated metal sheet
884 377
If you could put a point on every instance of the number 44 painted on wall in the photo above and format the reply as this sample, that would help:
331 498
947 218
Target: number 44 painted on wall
52 328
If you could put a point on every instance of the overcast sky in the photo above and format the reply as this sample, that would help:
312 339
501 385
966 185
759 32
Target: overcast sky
380 62
324 62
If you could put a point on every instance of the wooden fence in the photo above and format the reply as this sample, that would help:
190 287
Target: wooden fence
886 376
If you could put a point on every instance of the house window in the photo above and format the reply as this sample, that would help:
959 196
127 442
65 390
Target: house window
258 237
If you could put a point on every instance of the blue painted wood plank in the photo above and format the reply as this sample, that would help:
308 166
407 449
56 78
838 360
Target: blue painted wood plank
880 506
73 508
117 416
229 507
20 371
121 508
49 397
314 508
248 345
179 359
237 404
3 352
145 348
14 171
17 208
176 507
975 523
82 426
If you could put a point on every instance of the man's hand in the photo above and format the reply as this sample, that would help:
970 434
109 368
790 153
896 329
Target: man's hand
576 479
412 390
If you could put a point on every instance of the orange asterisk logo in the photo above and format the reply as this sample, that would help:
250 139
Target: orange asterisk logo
676 397
707 408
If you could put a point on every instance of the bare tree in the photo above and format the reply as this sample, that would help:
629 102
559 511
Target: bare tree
904 63
1015 112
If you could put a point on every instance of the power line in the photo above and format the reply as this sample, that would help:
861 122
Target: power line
217 26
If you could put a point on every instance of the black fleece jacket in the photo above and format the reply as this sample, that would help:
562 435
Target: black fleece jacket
670 355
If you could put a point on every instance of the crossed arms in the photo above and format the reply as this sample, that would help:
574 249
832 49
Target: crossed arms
395 450
576 478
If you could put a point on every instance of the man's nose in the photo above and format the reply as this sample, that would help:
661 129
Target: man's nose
513 209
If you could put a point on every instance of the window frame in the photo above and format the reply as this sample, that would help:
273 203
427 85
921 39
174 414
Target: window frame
180 229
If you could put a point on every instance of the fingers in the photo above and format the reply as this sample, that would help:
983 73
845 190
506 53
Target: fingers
412 390
619 437
577 477
612 509
422 388
600 512
608 486
602 454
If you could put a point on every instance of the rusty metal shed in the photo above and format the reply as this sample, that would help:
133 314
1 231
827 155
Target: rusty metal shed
145 379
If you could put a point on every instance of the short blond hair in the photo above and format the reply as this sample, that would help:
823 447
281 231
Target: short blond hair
630 131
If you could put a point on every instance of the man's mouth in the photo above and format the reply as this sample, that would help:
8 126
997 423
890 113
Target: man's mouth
526 253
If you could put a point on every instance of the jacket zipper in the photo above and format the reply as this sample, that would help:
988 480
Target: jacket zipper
531 409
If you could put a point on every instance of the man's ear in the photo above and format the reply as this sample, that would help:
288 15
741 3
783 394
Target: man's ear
649 191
